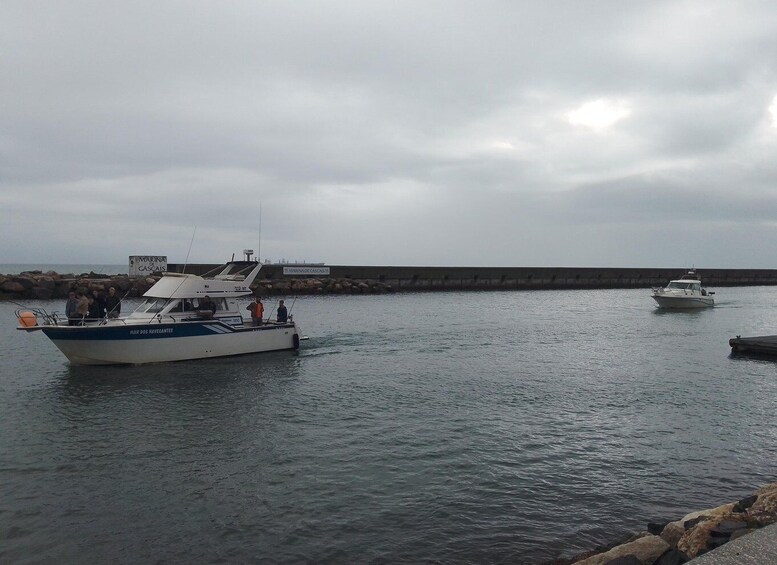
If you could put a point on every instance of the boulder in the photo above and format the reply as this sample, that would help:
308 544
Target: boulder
41 293
764 510
47 282
646 549
26 282
626 560
122 284
766 499
672 533
709 534
745 503
12 287
693 517
672 557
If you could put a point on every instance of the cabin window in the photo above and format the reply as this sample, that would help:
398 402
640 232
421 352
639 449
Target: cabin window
193 303
153 305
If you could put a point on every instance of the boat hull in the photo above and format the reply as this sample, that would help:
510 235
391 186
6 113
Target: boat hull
159 343
683 302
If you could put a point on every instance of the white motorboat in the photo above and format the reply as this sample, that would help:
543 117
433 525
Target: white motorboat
168 326
684 293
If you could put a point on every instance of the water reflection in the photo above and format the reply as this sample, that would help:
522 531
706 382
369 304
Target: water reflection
758 358
692 312
204 378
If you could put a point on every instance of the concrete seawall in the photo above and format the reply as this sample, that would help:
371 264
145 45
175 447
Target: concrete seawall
529 278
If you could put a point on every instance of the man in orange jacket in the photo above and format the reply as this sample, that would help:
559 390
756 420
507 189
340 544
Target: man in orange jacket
257 311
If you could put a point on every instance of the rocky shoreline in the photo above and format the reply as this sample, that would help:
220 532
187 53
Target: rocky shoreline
37 285
692 535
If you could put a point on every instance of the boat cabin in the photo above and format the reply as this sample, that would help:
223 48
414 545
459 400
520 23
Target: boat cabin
176 296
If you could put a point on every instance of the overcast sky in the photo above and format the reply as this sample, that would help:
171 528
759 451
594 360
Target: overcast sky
516 133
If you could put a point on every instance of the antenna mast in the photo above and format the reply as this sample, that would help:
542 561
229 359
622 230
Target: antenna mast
259 249
185 263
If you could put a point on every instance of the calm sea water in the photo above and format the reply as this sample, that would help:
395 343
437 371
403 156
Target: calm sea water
502 427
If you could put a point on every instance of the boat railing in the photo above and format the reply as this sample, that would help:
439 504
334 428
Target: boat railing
31 317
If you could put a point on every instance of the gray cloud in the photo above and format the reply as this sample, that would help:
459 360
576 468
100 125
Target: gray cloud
403 133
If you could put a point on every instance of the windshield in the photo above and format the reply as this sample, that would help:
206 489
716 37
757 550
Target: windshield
152 305
674 285
177 305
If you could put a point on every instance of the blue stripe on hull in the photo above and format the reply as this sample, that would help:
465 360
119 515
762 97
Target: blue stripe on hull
150 331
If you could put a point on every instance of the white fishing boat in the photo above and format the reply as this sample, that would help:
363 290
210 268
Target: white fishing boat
684 293
170 326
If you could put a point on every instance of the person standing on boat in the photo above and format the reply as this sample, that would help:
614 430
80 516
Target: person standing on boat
99 301
71 309
207 308
283 315
113 303
82 310
257 311
94 308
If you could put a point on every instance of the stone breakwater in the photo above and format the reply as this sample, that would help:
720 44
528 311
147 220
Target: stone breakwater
692 535
374 280
51 285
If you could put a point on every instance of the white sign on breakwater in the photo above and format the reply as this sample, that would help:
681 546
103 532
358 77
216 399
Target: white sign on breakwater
143 265
306 270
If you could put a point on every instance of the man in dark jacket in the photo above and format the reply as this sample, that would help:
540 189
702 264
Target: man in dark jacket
282 316
113 303
207 308
71 309
99 302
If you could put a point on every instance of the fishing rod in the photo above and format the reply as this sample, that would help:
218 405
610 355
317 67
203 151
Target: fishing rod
292 306
270 313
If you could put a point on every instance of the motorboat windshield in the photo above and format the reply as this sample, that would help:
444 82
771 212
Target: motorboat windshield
684 285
